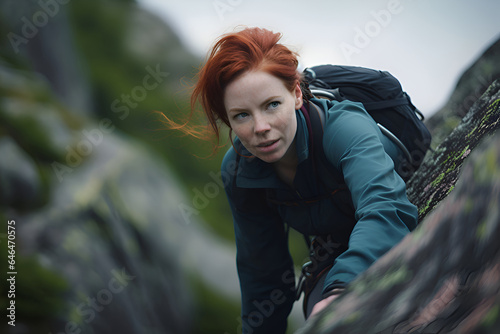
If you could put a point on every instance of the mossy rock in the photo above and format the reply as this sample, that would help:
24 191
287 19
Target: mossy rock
437 175
444 277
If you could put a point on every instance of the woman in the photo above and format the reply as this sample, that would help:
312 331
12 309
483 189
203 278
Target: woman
250 82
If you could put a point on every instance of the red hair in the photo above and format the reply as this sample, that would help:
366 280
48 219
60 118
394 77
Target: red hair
232 55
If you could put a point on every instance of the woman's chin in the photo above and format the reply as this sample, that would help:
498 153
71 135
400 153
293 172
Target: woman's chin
275 159
269 158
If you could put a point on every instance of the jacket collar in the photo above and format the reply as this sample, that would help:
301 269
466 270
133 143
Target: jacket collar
255 173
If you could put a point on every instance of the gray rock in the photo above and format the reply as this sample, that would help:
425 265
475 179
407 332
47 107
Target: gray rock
109 230
444 277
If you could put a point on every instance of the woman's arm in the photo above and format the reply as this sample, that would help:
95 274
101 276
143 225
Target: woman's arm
382 210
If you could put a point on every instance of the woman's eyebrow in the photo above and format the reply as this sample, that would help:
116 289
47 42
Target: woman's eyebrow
269 99
236 109
266 101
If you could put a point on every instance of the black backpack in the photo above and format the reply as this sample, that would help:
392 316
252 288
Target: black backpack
384 99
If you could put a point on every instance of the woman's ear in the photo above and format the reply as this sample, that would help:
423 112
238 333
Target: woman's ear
298 97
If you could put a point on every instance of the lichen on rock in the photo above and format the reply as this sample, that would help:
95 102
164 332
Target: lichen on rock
439 172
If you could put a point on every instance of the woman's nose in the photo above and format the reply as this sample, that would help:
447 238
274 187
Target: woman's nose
261 124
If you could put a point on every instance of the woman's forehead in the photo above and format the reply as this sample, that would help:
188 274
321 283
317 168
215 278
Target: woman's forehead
255 85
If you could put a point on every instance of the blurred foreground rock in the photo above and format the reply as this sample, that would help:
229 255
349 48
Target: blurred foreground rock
101 245
101 233
445 276
89 220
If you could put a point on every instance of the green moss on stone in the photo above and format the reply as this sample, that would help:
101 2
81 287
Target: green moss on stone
437 181
491 317
425 207
397 274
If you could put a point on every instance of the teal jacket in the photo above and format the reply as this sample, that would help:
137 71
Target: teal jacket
383 215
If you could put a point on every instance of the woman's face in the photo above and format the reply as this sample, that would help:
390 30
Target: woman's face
261 112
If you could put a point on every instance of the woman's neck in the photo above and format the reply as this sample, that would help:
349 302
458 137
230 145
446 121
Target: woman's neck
286 167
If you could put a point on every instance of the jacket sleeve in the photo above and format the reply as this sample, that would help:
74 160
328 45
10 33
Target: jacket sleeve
264 264
383 213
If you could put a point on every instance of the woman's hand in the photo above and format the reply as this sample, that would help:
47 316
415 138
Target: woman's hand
322 304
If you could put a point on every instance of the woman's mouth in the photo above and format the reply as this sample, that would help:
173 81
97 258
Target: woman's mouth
267 146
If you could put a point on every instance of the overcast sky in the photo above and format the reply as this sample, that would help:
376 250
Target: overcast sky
426 44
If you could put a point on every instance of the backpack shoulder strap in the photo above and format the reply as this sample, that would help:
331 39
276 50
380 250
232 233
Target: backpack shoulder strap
329 177
315 119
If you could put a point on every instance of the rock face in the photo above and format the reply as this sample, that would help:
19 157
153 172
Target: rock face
445 276
101 245
438 174
103 234
470 87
